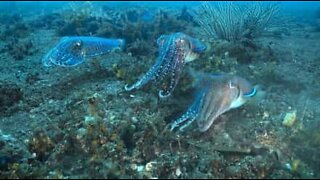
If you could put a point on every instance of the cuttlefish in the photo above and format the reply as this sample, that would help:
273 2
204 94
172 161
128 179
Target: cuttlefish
174 51
72 51
215 95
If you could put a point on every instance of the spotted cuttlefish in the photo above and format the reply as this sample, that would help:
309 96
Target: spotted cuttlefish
215 95
174 51
72 51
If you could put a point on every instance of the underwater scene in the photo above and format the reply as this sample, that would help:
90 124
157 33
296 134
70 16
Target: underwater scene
154 90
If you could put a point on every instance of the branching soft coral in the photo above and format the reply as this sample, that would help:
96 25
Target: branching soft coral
233 22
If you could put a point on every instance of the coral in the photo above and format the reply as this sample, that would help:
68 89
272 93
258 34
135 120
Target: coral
230 22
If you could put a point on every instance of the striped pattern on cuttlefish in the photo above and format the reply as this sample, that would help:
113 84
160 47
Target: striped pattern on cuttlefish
216 95
174 51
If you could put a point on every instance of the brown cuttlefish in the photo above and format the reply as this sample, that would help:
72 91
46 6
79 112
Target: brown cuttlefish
215 95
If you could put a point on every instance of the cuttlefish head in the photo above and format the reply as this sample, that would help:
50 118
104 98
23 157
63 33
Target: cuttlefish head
190 47
69 52
196 48
222 93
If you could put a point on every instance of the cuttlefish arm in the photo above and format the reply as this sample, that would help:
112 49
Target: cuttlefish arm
191 114
174 74
145 78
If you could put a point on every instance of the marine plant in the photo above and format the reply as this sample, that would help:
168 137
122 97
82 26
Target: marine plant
233 22
235 26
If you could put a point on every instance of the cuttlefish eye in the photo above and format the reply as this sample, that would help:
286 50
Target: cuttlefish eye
184 43
77 44
180 41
